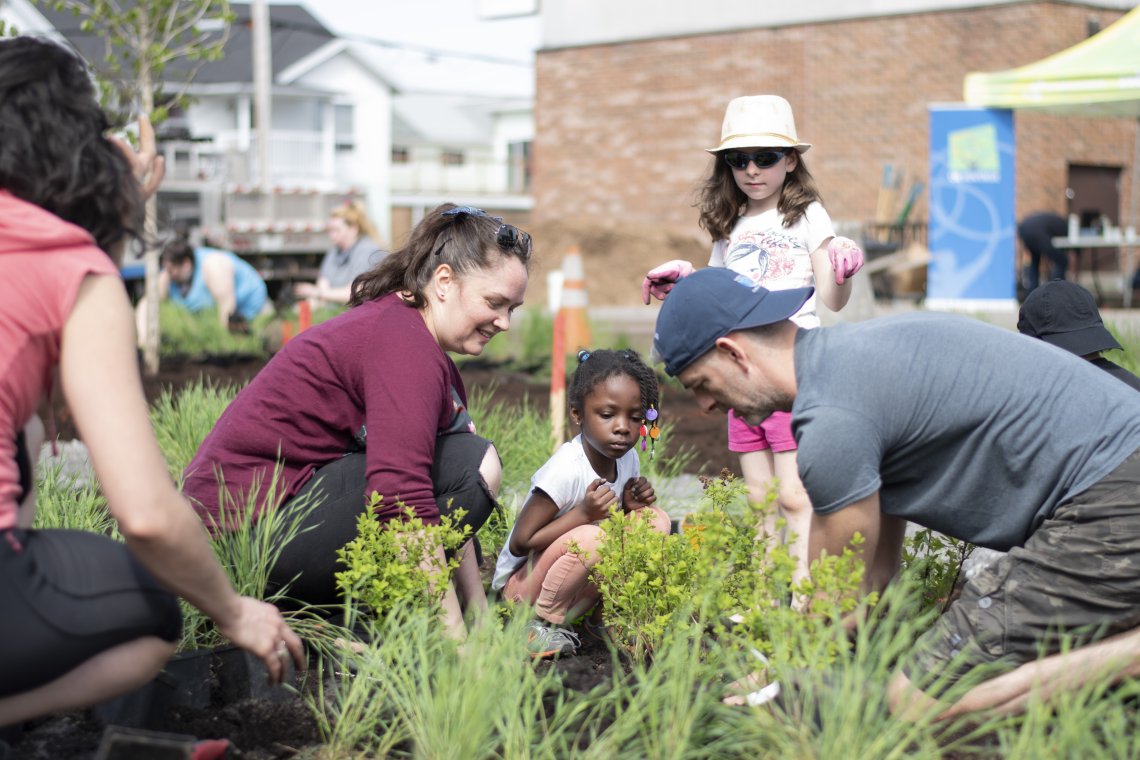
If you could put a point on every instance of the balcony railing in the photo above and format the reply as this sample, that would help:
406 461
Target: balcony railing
479 174
306 159
295 157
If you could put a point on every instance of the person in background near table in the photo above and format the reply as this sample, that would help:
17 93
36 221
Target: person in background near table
369 402
354 252
612 396
84 618
1036 233
767 222
961 427
1064 314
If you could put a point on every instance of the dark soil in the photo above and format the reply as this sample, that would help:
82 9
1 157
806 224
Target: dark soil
256 730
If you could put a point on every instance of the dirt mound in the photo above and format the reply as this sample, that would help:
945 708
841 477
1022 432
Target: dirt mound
615 257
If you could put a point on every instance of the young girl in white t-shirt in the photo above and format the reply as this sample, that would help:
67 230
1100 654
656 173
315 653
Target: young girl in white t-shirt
761 207
613 400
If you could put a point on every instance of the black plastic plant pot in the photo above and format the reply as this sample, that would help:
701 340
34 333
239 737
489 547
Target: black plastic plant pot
242 676
119 743
191 674
184 682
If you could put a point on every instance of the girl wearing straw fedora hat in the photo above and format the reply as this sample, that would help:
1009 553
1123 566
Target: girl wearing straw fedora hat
761 207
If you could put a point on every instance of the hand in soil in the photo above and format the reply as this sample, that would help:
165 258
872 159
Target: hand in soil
259 629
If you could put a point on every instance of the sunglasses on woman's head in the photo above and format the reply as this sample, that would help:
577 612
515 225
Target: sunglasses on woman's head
508 237
738 159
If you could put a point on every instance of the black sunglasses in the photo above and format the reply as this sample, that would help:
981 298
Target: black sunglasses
508 237
738 159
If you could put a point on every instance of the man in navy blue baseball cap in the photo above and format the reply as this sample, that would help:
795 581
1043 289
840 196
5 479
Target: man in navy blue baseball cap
909 418
711 303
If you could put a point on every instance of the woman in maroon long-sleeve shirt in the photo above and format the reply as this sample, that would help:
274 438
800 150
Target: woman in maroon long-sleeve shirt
371 402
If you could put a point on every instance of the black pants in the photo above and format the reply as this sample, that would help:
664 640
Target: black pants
24 467
1037 236
311 558
68 595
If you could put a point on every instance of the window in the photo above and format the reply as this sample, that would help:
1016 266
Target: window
519 166
452 158
401 154
342 125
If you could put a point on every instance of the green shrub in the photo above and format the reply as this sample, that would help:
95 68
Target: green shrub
720 567
392 563
649 581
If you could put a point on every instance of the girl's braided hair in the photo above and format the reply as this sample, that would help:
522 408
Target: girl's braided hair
598 366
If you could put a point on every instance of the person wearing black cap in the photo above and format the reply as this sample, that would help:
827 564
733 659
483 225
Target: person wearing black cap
910 418
1065 315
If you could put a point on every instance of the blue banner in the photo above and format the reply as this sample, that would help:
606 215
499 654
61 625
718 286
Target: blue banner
972 232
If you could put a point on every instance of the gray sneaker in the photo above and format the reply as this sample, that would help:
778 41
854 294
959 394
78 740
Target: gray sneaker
546 640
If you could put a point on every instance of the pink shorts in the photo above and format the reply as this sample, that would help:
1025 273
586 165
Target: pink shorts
773 433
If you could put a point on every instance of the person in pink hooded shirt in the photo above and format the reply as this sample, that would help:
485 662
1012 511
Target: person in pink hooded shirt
83 617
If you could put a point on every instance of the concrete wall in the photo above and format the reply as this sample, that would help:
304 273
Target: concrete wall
620 128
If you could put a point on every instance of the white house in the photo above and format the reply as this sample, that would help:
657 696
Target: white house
328 135
339 127
465 149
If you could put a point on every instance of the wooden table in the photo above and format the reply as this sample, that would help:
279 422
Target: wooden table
1126 241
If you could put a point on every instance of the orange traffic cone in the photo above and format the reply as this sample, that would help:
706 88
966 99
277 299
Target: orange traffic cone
574 301
558 382
305 316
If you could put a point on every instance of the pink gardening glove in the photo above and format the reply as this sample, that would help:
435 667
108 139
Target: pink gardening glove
661 279
846 258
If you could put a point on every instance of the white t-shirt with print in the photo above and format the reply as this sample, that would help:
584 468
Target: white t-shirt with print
565 478
761 248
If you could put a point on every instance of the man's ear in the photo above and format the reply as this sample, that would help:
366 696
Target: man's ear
732 348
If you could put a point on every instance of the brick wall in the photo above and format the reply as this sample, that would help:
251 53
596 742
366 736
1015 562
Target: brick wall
620 128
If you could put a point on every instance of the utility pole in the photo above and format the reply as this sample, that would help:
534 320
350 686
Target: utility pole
262 83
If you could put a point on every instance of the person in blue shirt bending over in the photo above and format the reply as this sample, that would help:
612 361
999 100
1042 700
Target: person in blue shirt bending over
201 277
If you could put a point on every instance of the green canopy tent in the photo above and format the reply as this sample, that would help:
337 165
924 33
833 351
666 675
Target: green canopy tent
1098 77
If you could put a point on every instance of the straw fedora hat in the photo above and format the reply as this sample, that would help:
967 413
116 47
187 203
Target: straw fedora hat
759 121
